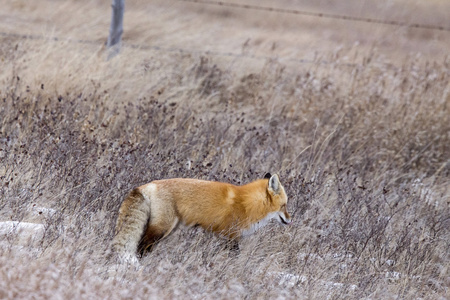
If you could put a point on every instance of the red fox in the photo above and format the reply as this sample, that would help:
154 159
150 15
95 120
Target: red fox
152 211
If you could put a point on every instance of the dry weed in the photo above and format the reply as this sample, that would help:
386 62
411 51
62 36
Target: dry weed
362 151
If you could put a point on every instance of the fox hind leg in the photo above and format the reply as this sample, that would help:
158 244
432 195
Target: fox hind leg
155 232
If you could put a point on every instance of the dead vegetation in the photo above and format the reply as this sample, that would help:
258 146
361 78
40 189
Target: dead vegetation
361 149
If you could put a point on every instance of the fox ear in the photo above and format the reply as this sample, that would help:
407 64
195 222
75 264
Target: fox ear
267 176
274 184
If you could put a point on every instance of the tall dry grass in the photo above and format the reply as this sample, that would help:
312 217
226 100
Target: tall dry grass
361 149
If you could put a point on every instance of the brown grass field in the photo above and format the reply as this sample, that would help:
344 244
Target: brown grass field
354 117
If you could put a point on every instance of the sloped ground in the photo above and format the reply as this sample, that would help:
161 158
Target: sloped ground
361 148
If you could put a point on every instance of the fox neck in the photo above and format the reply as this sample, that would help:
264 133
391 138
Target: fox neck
259 224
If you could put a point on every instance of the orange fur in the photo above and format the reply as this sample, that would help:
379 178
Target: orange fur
153 210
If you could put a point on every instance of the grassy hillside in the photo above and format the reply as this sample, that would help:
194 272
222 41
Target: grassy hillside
359 132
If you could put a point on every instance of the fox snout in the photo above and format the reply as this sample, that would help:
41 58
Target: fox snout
284 217
285 220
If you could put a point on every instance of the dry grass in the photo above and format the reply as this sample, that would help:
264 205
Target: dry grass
361 149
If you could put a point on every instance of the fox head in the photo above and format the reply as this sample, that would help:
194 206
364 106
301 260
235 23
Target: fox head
277 197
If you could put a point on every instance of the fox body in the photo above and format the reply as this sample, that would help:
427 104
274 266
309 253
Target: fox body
152 211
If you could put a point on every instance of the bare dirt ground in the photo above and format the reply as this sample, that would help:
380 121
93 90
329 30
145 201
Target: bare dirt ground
354 116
